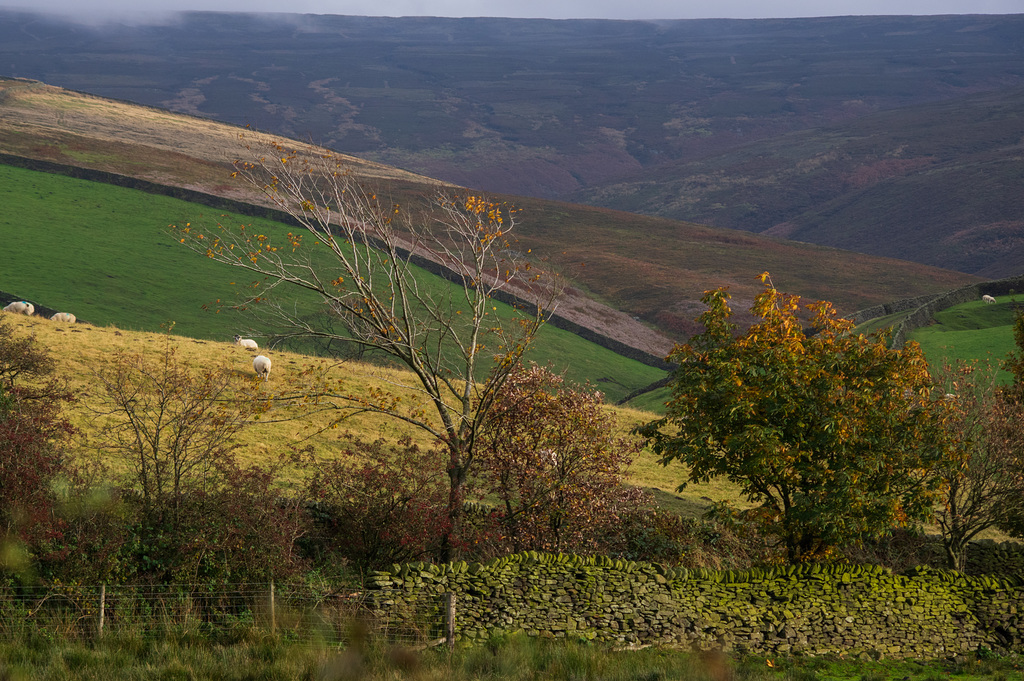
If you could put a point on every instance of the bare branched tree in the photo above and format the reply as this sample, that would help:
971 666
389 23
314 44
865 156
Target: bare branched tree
169 424
985 477
356 253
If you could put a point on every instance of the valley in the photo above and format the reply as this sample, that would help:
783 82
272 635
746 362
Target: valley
871 134
636 279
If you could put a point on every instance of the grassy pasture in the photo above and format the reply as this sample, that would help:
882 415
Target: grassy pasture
103 252
878 323
81 349
974 330
653 401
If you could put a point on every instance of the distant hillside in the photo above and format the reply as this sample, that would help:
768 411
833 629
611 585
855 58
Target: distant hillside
636 279
939 183
638 115
522 106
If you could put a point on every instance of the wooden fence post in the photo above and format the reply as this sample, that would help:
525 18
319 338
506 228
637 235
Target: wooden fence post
273 613
103 607
449 612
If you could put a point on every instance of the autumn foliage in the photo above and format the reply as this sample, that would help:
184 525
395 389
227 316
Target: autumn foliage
34 441
984 475
376 505
555 461
833 435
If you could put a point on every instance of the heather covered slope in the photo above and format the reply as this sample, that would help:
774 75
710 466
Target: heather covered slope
522 106
888 135
637 279
941 183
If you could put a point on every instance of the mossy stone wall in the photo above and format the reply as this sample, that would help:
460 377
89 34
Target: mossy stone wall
988 557
811 609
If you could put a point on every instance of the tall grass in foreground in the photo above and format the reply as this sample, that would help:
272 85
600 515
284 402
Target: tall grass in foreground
260 656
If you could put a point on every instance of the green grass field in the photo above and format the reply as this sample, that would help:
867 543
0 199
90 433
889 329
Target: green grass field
971 331
653 401
105 254
879 323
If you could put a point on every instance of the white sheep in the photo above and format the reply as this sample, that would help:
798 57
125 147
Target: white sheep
261 365
64 317
21 307
246 342
988 299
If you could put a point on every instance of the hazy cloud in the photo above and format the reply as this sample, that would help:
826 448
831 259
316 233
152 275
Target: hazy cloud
160 11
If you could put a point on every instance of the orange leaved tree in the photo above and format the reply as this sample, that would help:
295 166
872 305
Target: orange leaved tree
357 253
833 434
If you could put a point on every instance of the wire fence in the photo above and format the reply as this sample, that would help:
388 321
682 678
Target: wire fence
229 613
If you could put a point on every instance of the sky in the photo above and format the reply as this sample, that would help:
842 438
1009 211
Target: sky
127 10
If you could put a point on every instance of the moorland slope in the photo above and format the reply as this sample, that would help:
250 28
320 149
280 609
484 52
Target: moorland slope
521 106
637 279
655 116
938 183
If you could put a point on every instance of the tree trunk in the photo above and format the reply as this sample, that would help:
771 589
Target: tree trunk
956 553
458 472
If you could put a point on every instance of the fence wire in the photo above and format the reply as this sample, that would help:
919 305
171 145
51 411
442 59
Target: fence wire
227 612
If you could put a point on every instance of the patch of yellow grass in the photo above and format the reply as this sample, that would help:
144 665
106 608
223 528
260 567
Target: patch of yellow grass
80 350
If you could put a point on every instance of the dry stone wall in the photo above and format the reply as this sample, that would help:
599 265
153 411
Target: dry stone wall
988 557
924 307
811 609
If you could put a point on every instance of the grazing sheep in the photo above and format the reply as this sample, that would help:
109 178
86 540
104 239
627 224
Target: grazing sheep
988 299
261 365
64 317
21 307
246 342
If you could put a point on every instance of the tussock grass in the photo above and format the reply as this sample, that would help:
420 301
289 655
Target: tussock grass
504 658
83 349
